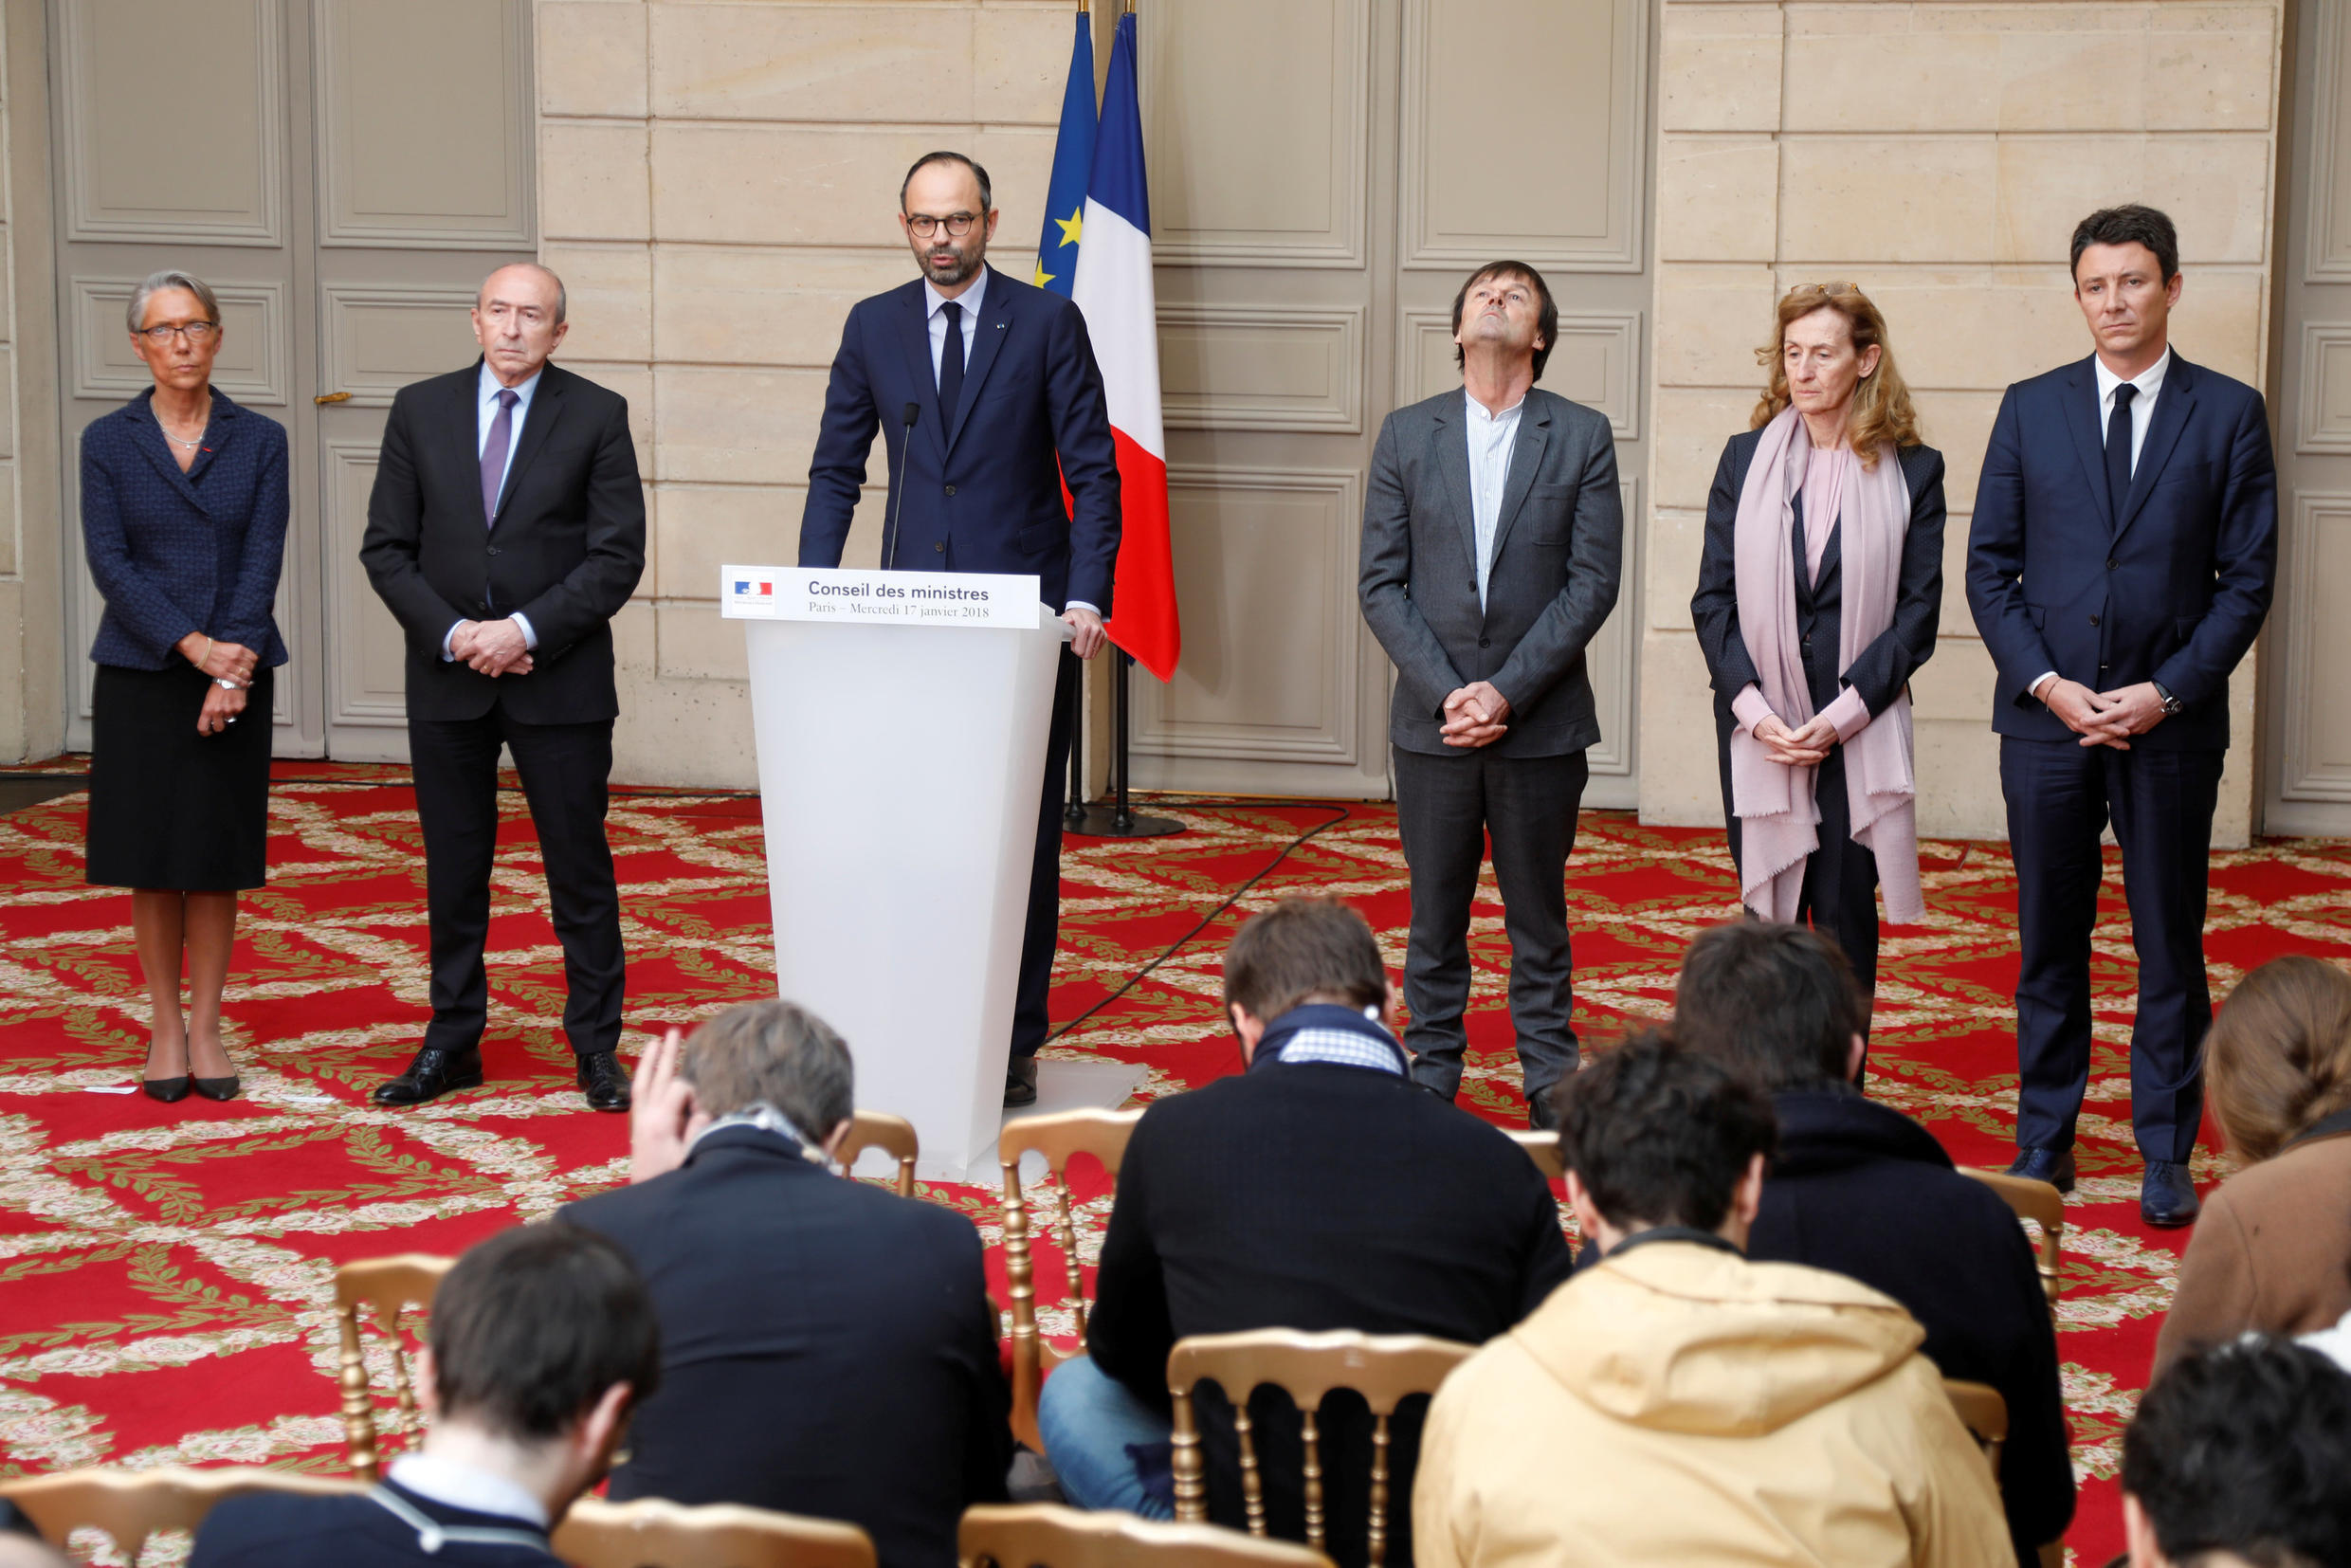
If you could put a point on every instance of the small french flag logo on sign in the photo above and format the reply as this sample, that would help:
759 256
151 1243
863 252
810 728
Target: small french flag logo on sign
745 588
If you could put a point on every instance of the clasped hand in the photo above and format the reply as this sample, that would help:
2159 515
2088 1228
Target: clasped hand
494 648
221 706
2104 718
1475 716
1804 748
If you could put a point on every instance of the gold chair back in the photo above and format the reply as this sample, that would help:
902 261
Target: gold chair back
1542 1148
650 1532
1984 1413
384 1287
1059 1137
892 1135
131 1506
1044 1535
1384 1369
2039 1202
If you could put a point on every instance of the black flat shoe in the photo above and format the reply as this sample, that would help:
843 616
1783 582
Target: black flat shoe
2167 1196
2054 1166
1020 1082
217 1088
169 1090
603 1082
433 1075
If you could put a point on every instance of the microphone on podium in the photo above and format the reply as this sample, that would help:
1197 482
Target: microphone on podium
908 415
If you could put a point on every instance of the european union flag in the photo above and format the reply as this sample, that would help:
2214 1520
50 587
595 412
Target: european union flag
1073 160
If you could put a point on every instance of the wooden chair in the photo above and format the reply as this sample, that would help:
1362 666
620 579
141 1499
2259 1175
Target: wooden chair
131 1506
651 1533
1059 1137
1384 1369
385 1286
893 1135
1542 1148
2039 1202
1044 1535
1984 1413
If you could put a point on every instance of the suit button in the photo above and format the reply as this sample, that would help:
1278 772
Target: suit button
1485 642
2110 566
2093 620
940 547
951 489
493 549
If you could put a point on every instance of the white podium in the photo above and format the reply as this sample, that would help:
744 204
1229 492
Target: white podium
900 719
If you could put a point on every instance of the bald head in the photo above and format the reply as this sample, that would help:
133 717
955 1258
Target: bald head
518 318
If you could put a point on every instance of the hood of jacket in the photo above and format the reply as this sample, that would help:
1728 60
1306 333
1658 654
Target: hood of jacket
1683 1338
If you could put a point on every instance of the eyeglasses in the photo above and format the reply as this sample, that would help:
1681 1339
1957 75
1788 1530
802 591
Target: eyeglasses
957 224
196 332
1827 289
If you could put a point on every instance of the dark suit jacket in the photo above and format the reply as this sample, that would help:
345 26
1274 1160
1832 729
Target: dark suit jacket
1880 670
1859 1188
981 482
1316 1196
828 1347
566 548
2170 586
281 1531
1558 549
175 553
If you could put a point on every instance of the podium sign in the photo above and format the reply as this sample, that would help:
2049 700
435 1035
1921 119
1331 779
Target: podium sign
902 738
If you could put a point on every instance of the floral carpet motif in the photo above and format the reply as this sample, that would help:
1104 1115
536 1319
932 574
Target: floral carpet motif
165 1272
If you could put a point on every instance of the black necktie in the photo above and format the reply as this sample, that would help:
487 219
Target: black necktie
2118 449
950 364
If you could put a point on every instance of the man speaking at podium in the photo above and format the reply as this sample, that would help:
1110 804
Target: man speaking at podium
988 401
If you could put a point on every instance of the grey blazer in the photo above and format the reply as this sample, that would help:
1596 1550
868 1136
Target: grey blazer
1557 549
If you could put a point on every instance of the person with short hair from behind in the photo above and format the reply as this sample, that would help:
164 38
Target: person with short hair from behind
1318 1189
1859 1188
1680 1404
2273 1250
828 1347
541 1345
2240 1457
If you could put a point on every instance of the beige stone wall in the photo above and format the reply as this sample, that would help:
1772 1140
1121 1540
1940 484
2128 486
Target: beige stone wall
1939 155
32 717
718 185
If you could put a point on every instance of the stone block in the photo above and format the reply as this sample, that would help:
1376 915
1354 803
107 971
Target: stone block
807 185
1676 543
2213 68
1957 764
1720 68
1888 81
1681 786
697 644
689 733
1957 423
1020 65
2217 189
1718 198
9 559
846 63
1976 328
1956 682
728 306
592 57
1958 620
738 427
609 300
1709 321
635 383
2088 76
1692 425
593 181
1855 199
704 527
2218 320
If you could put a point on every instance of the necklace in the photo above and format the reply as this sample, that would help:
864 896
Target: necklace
201 427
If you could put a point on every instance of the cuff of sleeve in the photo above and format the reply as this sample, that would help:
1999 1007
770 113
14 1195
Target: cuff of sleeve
1081 604
1849 714
1749 706
530 638
2033 687
448 655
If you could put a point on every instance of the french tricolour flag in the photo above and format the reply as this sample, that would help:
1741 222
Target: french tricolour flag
1114 289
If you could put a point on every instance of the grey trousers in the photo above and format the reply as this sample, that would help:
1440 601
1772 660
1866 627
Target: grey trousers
1446 809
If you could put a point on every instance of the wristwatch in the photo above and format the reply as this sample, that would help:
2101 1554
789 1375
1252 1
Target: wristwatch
2171 705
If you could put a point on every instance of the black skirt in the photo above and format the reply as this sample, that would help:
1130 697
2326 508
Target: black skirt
170 808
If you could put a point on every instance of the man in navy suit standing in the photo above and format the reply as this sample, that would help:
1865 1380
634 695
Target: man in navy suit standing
988 402
2120 562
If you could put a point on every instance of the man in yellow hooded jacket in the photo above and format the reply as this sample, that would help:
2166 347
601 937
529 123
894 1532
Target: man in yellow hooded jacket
1678 1404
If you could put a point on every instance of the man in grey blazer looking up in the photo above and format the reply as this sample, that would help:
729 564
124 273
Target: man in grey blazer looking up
1493 536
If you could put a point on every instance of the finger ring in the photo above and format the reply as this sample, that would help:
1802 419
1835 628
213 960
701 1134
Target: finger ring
232 719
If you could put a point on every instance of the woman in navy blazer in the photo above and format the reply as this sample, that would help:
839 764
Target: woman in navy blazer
183 517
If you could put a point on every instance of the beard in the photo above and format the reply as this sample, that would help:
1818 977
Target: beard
966 260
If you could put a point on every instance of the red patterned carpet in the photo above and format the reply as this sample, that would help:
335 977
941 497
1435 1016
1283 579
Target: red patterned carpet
167 1268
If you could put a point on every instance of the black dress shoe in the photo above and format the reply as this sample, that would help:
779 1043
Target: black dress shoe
603 1082
217 1088
2166 1195
2054 1166
169 1090
433 1075
1540 1116
1020 1082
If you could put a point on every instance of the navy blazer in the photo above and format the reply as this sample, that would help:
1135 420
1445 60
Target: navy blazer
982 487
173 552
2170 586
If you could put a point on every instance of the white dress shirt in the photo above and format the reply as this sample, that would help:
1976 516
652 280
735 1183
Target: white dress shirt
1491 438
487 388
2150 385
455 1486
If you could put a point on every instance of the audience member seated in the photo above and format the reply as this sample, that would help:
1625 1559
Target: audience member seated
2240 1457
1861 1188
1318 1189
828 1346
542 1341
2273 1250
1677 1403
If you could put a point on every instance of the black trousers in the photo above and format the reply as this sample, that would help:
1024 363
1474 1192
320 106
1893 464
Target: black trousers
565 769
2060 797
1042 933
1839 898
1445 808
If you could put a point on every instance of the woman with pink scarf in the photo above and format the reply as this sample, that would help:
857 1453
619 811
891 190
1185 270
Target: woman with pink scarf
1818 593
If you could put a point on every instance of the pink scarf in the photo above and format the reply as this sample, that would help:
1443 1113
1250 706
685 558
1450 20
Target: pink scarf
1779 818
